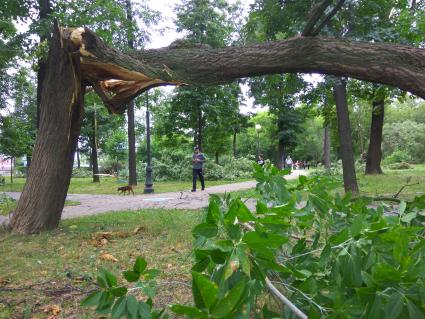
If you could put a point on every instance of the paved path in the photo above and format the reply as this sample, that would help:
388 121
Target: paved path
96 204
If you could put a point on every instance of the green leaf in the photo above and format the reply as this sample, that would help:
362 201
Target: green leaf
232 264
243 213
206 230
213 215
401 208
92 299
339 238
131 276
261 208
414 311
208 290
242 253
225 306
201 265
119 308
191 312
407 218
140 265
144 310
151 274
325 254
110 279
132 306
258 240
119 291
101 279
394 306
357 225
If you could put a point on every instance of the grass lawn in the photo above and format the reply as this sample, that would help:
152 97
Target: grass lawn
391 181
58 267
8 204
109 185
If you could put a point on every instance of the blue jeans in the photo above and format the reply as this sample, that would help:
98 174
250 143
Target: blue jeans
197 172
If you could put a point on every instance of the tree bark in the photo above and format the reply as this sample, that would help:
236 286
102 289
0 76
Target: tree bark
344 132
78 159
374 152
44 11
234 144
127 76
326 148
280 155
132 172
43 197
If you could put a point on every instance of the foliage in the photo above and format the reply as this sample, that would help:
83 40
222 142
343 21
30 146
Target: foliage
406 138
333 256
81 172
118 300
7 204
402 165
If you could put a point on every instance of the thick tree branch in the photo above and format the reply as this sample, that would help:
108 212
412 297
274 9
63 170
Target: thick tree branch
327 18
392 64
315 15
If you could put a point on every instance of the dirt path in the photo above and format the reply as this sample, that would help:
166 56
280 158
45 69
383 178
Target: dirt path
97 204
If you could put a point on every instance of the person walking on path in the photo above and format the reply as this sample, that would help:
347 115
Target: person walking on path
198 160
289 162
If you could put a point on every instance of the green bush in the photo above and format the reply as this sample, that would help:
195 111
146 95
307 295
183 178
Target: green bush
402 165
398 156
82 172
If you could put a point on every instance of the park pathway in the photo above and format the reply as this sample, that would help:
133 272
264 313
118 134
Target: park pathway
97 204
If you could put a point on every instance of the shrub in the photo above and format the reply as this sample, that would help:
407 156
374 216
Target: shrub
82 172
402 165
397 156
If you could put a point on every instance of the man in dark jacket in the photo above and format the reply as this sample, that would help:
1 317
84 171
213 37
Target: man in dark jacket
198 160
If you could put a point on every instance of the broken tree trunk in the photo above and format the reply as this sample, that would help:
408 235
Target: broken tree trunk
78 57
43 197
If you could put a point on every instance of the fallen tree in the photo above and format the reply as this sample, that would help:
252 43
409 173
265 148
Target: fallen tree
79 59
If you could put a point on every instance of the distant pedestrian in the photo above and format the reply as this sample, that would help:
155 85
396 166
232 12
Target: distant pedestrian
198 160
289 162
260 160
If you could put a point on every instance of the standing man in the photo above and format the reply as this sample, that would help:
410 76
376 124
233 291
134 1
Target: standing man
289 162
198 160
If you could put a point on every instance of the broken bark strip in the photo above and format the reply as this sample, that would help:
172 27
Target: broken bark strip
42 200
397 65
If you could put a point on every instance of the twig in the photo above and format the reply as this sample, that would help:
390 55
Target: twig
327 18
401 189
315 15
285 300
277 293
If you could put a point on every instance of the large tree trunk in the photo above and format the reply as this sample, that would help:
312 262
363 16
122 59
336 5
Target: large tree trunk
344 131
234 144
132 172
43 197
44 11
326 148
280 155
374 153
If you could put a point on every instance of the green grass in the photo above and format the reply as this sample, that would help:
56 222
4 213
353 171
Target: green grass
8 204
390 182
69 257
109 185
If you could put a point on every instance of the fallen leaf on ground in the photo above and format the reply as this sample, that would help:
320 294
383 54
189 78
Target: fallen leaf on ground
108 257
52 309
